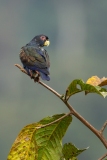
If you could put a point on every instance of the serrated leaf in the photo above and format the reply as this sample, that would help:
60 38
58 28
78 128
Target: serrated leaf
79 85
40 144
71 152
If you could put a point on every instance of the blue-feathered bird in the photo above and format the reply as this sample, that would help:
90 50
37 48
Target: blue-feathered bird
35 58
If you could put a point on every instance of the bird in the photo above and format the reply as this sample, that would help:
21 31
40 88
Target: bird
35 58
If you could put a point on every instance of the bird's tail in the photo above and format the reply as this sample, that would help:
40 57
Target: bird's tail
44 76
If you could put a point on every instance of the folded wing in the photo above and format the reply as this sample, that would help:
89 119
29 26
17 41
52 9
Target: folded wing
34 58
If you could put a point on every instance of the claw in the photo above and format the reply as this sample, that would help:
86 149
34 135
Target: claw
37 77
31 74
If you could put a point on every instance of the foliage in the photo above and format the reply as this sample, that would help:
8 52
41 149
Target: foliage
90 86
36 143
71 152
43 140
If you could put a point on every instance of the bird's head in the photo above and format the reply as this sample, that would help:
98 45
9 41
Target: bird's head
41 40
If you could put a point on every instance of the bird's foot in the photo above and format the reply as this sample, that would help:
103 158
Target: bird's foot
37 77
31 74
34 75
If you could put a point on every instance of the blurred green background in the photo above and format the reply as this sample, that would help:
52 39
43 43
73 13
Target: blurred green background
78 33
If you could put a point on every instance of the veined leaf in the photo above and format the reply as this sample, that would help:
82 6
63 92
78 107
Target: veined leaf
71 152
79 85
49 139
25 146
35 143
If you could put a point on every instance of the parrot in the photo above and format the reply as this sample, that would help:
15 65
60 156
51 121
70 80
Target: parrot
35 58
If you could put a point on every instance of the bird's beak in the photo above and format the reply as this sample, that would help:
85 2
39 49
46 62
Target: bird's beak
47 43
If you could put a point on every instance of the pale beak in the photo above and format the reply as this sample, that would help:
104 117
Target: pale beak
47 43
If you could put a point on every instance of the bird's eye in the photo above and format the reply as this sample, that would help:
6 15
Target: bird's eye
43 38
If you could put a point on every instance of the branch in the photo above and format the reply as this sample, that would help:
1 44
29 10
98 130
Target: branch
86 123
49 88
103 127
72 111
54 121
103 157
65 98
43 84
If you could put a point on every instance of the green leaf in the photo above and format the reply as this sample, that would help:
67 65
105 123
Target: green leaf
71 152
74 158
78 85
35 143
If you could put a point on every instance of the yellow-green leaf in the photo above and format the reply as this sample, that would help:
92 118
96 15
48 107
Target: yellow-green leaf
45 143
25 146
96 81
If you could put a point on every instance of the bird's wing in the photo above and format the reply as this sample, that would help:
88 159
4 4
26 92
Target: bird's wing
33 56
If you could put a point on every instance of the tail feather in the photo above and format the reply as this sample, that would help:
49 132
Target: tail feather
44 76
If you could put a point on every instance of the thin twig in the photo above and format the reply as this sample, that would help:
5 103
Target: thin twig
43 84
86 123
66 95
54 121
103 127
21 68
105 155
49 88
72 111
